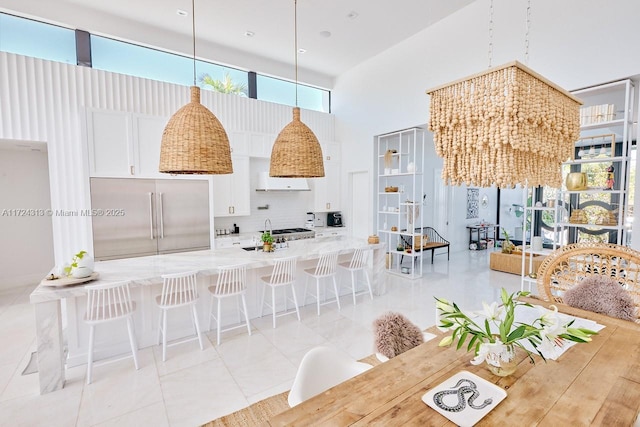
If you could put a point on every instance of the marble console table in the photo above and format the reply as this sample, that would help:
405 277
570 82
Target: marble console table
144 274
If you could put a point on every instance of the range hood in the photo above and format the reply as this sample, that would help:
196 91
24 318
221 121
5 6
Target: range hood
267 183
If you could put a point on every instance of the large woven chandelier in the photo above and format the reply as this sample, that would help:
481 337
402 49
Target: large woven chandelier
194 141
296 152
505 126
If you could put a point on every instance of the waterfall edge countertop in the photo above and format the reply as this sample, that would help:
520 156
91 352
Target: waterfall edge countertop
147 270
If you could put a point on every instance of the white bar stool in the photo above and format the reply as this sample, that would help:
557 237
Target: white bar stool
178 290
326 268
107 303
358 263
232 282
283 275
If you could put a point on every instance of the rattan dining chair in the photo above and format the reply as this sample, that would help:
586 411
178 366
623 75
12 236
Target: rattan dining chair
108 303
178 290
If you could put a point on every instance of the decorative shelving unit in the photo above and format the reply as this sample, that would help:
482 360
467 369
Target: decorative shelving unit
400 195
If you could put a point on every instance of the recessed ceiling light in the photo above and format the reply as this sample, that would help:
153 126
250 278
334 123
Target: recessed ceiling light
352 15
326 34
301 50
181 12
249 33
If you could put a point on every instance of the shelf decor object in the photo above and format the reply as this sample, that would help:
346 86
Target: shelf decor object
505 126
194 141
296 152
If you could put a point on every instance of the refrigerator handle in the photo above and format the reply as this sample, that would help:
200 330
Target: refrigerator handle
161 218
151 214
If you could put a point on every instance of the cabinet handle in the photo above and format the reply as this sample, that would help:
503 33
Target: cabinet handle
151 214
235 243
328 157
233 209
161 216
132 170
328 205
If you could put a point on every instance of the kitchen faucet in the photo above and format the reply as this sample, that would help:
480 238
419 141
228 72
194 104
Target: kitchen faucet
270 226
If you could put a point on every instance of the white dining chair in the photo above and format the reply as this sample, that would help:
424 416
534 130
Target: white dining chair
320 369
358 263
231 282
178 290
325 269
108 303
283 276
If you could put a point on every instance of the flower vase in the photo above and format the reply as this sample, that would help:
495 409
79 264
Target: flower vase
502 363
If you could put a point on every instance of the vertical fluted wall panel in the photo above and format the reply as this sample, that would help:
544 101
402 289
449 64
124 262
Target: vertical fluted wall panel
46 101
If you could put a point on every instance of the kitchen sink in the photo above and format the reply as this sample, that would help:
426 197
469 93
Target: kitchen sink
252 248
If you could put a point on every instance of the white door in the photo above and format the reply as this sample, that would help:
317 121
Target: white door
441 204
360 206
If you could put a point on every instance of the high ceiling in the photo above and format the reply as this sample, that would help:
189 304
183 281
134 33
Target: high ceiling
337 34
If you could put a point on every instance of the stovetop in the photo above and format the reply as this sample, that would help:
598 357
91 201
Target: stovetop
293 233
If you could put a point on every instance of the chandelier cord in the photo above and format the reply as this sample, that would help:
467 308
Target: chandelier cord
490 53
526 37
193 31
295 30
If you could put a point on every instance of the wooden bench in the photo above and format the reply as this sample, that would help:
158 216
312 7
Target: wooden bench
429 240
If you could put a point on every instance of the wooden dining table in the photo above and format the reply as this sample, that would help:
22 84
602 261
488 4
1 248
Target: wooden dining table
596 383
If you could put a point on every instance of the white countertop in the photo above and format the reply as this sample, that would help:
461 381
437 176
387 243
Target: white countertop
147 270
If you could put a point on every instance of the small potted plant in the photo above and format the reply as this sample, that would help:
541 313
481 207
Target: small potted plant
507 246
267 241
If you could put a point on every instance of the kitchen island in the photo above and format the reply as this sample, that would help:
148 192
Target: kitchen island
144 273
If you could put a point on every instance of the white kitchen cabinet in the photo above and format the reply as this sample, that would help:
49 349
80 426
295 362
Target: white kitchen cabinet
231 192
233 241
260 144
110 144
239 143
122 144
331 232
326 190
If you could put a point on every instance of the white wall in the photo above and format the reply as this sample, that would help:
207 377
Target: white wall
574 43
26 245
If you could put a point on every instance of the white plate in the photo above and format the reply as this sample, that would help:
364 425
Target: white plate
444 398
68 281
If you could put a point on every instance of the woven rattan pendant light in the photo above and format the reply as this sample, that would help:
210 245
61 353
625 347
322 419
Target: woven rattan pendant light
194 141
296 152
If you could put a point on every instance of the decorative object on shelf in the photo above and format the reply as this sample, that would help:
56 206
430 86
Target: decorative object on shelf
413 211
296 152
576 181
495 335
411 167
394 228
390 189
610 178
194 141
505 126
373 239
578 217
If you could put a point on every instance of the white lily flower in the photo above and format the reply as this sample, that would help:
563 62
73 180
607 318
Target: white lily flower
491 312
549 317
444 305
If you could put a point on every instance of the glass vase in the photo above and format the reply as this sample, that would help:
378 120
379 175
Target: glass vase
502 363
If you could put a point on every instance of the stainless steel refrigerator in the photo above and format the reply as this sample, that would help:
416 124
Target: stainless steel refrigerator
137 217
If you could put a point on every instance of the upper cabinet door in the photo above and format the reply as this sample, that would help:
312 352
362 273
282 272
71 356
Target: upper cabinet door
231 196
110 144
148 139
326 191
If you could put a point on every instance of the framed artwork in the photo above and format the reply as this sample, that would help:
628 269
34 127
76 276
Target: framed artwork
473 203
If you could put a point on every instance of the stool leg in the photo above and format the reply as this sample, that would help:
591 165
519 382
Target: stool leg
366 276
246 313
164 335
264 288
306 284
295 301
335 288
132 341
353 285
219 319
317 294
90 353
273 306
160 326
211 310
197 325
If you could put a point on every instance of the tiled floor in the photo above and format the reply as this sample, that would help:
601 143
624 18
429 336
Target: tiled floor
193 386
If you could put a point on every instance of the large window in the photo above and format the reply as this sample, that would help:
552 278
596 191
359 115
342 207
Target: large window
37 39
284 92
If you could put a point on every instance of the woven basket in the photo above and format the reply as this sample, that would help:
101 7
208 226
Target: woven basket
194 141
296 152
